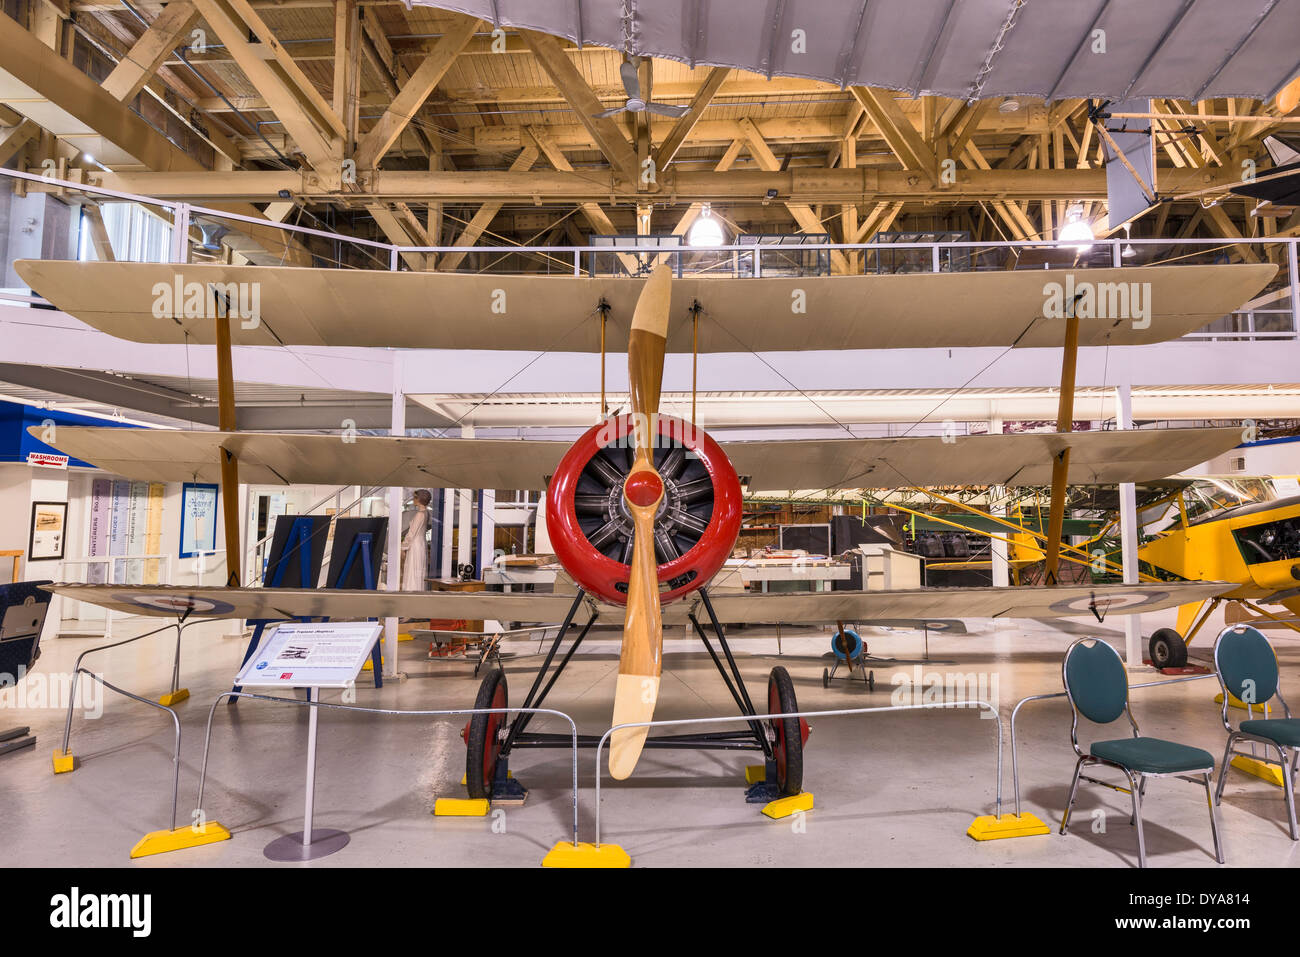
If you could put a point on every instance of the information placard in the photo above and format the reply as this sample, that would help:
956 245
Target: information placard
311 655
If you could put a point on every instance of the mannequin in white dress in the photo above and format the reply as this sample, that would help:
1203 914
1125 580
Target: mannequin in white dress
415 547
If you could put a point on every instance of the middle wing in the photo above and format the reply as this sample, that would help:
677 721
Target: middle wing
1021 458
275 458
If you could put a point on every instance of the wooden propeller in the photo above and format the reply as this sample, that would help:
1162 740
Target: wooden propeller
1289 96
641 662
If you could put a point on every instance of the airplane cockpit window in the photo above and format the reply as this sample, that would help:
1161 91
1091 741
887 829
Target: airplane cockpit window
1270 542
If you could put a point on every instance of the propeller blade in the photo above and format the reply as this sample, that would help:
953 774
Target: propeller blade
641 662
610 112
664 109
631 82
1289 96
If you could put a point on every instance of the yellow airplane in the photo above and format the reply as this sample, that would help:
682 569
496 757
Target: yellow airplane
1255 545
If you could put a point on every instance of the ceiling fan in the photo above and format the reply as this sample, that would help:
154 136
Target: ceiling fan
635 104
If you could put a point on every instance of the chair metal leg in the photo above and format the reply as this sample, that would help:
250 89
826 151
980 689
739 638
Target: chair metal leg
1074 790
1288 791
1135 790
1223 769
1214 820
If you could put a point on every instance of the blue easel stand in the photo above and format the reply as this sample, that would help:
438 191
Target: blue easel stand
300 542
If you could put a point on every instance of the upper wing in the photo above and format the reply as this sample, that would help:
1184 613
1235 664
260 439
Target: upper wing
429 310
1024 458
270 458
1036 601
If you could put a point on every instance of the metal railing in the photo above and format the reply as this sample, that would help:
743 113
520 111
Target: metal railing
200 817
928 706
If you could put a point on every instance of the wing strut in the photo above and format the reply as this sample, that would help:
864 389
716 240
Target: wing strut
1061 463
229 464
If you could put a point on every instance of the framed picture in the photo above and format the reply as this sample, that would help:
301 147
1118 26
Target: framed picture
198 519
49 526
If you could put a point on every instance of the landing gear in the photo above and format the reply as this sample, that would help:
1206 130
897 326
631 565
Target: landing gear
788 734
483 736
1168 650
490 739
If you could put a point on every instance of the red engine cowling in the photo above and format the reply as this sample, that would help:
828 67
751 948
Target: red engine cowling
695 528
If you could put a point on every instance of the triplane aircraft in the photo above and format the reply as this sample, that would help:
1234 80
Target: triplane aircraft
643 509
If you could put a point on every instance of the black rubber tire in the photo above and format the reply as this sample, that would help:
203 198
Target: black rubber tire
788 746
871 681
826 677
1167 649
482 749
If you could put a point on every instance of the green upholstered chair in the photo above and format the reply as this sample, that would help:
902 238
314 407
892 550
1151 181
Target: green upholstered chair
1097 686
1248 671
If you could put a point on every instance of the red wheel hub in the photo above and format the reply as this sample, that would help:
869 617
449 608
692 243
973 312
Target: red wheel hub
492 742
696 523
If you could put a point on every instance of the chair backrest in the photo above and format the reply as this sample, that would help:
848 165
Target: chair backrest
1095 680
23 606
1246 663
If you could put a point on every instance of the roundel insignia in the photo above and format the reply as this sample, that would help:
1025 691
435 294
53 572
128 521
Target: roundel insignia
1109 602
177 603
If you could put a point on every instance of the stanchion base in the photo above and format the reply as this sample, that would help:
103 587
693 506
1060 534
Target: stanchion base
567 854
1260 769
461 807
63 761
784 807
159 842
989 827
1235 702
174 697
509 793
324 842
463 778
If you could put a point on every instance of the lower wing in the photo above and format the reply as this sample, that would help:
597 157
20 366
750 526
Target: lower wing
785 608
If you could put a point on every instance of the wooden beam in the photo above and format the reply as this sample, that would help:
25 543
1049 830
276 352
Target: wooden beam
346 89
483 217
682 128
414 92
134 70
569 81
596 217
898 131
738 186
396 233
15 138
316 130
93 216
808 221
1220 218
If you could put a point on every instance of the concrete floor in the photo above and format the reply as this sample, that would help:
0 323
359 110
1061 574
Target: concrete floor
892 789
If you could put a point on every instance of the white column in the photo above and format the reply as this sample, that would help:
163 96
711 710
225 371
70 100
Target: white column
448 528
997 547
465 523
1128 530
465 518
394 523
487 528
